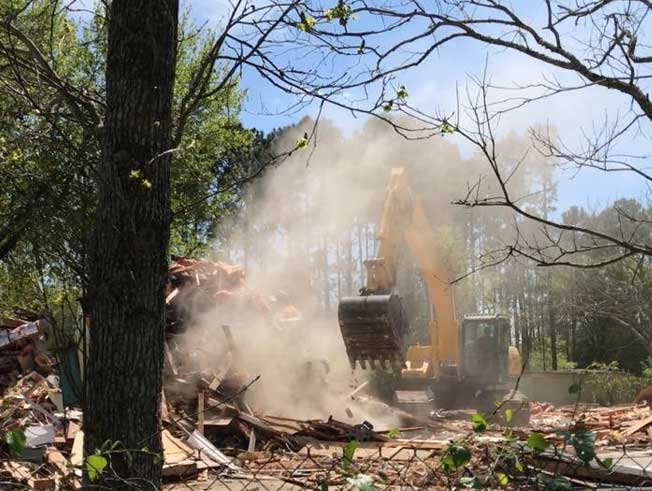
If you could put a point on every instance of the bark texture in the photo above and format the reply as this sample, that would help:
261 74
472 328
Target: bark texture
128 270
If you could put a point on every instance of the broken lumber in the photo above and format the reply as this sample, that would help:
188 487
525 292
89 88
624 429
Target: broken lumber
77 454
71 433
169 360
22 473
637 426
200 412
174 450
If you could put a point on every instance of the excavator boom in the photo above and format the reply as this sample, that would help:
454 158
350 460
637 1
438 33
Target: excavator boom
374 324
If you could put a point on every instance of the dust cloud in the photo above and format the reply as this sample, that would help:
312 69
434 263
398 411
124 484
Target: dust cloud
302 232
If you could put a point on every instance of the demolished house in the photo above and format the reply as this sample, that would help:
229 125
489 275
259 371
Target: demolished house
212 432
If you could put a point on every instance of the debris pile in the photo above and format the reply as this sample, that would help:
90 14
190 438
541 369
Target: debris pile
615 425
209 428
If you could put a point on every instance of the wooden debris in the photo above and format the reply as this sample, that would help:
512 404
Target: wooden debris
169 360
174 450
200 412
71 432
165 413
171 296
638 426
23 474
77 454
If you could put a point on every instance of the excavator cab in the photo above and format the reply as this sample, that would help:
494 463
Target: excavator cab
485 350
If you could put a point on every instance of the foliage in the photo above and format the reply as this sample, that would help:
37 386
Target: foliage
583 442
609 385
537 442
394 433
48 159
95 465
16 441
456 456
479 423
348 452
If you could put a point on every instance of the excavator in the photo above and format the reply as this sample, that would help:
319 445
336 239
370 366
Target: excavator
461 361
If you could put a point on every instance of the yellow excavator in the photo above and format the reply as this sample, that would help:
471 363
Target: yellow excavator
459 362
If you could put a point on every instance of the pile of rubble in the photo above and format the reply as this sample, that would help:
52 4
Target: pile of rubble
208 427
201 408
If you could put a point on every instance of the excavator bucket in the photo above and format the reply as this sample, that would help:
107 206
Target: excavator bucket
374 328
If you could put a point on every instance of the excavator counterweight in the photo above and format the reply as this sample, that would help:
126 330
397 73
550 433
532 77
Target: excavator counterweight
373 328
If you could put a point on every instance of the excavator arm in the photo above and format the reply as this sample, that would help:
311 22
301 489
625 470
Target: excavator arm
374 324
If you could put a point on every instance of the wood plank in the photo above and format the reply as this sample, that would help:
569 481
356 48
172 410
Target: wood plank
169 360
71 432
171 296
252 441
57 459
165 412
23 474
200 412
77 454
64 466
183 469
175 450
637 426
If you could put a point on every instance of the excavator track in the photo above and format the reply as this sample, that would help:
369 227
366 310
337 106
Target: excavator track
373 328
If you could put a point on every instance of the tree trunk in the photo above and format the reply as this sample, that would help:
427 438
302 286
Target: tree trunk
552 328
129 267
326 278
553 336
525 329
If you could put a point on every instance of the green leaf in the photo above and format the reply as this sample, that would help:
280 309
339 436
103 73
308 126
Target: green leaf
457 456
445 128
402 92
394 433
479 423
536 442
387 107
135 174
518 465
553 483
606 463
306 24
95 464
16 440
349 450
341 11
502 479
302 142
509 414
584 444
